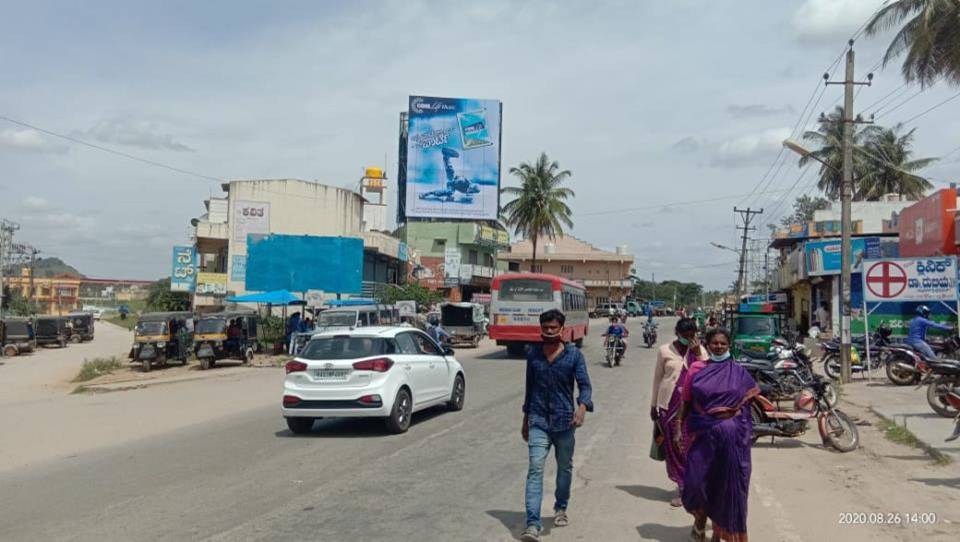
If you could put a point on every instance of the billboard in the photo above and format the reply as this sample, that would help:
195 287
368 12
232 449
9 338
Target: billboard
211 283
452 159
927 227
910 279
250 217
183 275
238 268
300 263
823 257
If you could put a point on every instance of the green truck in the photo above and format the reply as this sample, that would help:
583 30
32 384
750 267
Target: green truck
754 331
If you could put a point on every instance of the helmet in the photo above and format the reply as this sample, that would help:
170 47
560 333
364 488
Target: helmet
884 330
923 310
805 401
434 321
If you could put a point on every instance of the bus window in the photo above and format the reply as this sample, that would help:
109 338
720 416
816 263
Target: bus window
526 290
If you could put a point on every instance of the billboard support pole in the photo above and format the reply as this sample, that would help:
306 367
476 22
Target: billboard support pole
866 336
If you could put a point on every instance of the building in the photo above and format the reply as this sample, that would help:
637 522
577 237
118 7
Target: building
65 293
605 274
288 207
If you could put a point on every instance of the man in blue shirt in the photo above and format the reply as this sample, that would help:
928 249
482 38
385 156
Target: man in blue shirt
437 333
551 416
917 337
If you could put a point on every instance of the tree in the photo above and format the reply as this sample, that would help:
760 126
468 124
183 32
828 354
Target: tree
803 209
893 153
161 299
829 136
539 209
929 38
16 304
410 291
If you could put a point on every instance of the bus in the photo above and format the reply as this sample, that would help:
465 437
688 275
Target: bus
517 301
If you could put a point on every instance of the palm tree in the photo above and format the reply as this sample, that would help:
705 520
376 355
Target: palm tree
829 136
892 153
929 38
539 209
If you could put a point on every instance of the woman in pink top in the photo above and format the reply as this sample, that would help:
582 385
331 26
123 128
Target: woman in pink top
673 361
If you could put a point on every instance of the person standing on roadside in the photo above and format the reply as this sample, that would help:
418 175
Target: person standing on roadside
673 361
551 417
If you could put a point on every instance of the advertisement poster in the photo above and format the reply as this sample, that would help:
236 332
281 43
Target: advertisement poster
451 267
250 217
211 283
823 257
238 268
910 279
453 158
429 273
183 276
407 308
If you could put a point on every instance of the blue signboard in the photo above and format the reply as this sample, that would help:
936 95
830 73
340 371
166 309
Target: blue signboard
304 262
238 268
823 257
183 274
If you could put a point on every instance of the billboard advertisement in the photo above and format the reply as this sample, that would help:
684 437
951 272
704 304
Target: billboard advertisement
452 159
238 268
212 283
927 227
300 263
823 257
183 275
250 217
910 279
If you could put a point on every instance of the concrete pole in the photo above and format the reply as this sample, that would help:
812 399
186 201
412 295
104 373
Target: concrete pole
846 225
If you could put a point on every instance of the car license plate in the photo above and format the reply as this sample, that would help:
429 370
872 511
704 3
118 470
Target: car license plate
331 374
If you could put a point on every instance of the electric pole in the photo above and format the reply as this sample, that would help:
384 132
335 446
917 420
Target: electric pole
747 216
6 245
653 280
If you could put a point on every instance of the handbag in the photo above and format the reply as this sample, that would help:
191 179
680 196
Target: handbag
657 452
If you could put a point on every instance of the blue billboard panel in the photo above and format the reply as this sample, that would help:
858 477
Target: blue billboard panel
823 257
304 262
183 274
238 268
453 158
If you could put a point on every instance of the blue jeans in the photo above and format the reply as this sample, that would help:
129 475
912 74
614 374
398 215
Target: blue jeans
538 444
922 347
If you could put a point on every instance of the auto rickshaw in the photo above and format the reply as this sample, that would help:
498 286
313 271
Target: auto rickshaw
160 336
82 323
226 335
463 321
17 336
51 330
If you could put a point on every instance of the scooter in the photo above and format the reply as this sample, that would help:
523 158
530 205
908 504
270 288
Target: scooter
836 428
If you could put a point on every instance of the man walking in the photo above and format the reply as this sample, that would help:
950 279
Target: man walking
551 416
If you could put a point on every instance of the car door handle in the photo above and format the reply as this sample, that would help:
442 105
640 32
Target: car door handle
406 367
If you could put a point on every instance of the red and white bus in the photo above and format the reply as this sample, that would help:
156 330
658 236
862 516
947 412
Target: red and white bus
518 299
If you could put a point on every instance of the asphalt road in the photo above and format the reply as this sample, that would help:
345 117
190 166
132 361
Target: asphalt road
453 476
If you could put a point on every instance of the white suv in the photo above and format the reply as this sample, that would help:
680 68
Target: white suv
386 372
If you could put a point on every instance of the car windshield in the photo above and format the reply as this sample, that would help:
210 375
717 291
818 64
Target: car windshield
756 326
526 290
346 348
211 325
337 318
151 328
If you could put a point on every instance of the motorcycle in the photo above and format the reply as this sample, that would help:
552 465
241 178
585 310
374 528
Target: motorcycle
879 340
942 378
614 347
953 397
905 364
836 428
649 335
783 373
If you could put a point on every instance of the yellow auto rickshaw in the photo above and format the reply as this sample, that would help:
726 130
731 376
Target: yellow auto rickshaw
160 336
226 335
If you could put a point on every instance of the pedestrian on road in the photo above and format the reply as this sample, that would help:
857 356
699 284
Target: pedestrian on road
551 417
673 361
716 409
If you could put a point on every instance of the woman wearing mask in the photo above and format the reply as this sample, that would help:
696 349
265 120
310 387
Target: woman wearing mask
715 407
673 360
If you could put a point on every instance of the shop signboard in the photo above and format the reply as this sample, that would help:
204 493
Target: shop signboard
910 279
183 276
250 217
823 257
490 236
928 226
238 268
451 267
407 308
212 284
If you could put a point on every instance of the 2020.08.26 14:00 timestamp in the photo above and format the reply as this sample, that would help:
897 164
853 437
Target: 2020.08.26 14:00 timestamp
886 518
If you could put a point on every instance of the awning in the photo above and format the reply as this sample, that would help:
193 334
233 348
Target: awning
276 297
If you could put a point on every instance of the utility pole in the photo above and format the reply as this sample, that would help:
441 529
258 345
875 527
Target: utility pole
747 216
6 245
653 280
766 274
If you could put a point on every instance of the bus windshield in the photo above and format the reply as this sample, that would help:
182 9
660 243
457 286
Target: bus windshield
526 290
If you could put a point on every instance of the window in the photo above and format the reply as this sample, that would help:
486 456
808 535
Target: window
406 344
363 319
526 290
488 259
513 266
473 257
566 269
426 345
439 245
344 347
373 318
538 268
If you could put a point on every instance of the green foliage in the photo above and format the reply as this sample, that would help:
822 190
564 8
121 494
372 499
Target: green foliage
98 367
46 268
161 299
929 38
17 305
539 209
803 209
688 293
409 292
272 329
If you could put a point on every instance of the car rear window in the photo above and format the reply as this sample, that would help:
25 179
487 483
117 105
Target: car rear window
347 348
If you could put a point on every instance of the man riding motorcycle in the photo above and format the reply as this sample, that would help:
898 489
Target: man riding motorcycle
650 330
917 336
616 329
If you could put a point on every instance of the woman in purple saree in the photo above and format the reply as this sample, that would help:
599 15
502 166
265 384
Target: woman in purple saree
716 410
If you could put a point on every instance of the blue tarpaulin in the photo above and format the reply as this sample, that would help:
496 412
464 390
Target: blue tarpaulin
305 262
276 297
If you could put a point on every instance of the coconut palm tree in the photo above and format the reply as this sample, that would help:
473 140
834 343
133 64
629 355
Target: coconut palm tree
829 137
539 209
929 38
892 153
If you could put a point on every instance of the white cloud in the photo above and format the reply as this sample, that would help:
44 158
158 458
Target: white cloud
750 149
689 144
27 140
759 110
831 22
134 133
35 203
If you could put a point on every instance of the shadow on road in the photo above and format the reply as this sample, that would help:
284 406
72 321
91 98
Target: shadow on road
358 427
516 522
663 533
953 483
499 354
649 492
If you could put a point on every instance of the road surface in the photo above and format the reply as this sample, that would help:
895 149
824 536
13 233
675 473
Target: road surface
238 474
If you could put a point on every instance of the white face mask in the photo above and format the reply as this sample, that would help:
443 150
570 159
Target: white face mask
722 357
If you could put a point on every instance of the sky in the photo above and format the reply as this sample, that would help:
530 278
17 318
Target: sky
668 114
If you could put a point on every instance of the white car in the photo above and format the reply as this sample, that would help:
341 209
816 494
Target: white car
384 372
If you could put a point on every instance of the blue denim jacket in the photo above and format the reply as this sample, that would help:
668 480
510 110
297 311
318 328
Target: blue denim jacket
548 401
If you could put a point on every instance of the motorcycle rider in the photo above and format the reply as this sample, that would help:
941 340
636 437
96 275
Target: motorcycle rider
650 326
917 337
436 332
619 331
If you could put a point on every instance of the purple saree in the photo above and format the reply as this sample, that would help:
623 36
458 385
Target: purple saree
717 473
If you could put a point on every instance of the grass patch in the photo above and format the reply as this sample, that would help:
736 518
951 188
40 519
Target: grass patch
97 367
129 323
901 435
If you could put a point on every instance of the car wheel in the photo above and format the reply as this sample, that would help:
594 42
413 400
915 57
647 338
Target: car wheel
458 395
10 350
75 339
399 419
299 426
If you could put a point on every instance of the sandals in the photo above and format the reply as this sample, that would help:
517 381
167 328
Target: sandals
698 535
676 502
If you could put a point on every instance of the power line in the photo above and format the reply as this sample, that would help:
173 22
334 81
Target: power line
673 204
950 99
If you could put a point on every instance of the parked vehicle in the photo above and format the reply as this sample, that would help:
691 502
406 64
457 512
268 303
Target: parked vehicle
879 341
942 377
649 333
836 428
783 373
385 372
754 332
518 299
157 338
52 330
464 322
605 310
83 323
225 335
360 315
17 336
954 399
634 308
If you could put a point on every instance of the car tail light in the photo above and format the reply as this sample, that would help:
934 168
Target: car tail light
290 400
377 365
295 366
371 399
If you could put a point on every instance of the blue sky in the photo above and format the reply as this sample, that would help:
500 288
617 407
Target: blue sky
647 103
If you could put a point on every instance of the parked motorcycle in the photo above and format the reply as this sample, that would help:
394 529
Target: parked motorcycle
614 348
942 378
879 339
836 428
785 372
953 397
905 365
649 334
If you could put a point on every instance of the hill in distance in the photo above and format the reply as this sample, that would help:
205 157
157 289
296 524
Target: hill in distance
47 267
